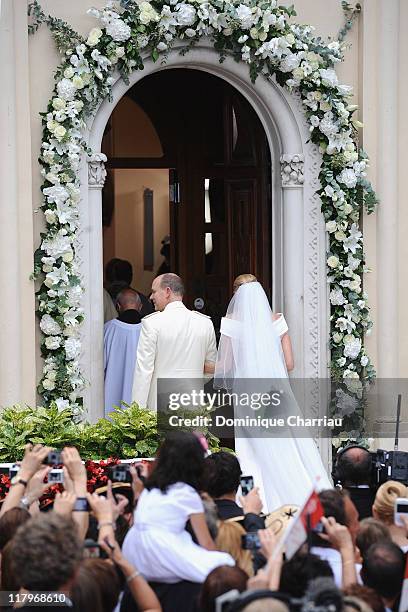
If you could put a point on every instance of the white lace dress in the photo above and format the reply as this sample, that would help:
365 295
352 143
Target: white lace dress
158 544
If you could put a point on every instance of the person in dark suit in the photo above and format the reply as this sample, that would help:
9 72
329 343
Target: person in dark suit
353 471
119 274
225 473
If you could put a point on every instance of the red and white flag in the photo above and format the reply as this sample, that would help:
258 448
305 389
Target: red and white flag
403 607
308 518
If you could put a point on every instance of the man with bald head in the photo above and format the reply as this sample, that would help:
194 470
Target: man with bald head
354 472
120 341
175 342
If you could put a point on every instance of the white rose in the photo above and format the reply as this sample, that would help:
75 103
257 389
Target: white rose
78 82
68 256
53 342
191 33
58 104
348 208
325 106
147 13
337 338
331 226
60 132
69 72
333 261
52 375
120 51
364 360
290 38
48 384
298 74
93 37
50 218
340 236
341 362
348 178
355 285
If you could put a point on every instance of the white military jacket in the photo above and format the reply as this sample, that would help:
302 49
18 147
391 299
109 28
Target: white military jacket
173 343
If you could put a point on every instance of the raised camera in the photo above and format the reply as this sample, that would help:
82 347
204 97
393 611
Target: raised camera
120 473
53 458
56 476
13 471
251 541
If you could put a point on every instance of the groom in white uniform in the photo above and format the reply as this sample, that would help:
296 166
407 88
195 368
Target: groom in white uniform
174 342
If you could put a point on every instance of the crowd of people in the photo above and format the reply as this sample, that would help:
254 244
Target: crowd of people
180 537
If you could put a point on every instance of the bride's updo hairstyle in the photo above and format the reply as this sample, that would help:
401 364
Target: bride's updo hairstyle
242 279
383 507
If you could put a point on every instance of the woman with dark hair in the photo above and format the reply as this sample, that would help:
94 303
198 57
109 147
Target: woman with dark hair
158 543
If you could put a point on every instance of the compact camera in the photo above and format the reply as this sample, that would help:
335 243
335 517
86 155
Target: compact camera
53 458
251 541
56 476
120 473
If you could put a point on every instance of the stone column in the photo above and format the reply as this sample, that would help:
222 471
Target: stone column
96 180
387 185
17 306
292 168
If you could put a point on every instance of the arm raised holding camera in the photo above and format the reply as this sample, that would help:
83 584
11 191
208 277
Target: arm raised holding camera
31 463
340 538
77 473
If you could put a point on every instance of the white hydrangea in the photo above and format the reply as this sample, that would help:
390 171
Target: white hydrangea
62 404
49 326
57 193
66 89
72 348
337 298
328 77
352 346
117 29
245 16
290 62
185 14
348 178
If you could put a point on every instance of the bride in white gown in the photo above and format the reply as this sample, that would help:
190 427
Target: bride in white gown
255 344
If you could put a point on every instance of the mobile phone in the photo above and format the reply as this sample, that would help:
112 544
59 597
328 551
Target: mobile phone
53 458
222 601
120 473
250 541
81 505
319 528
13 471
93 550
56 476
400 508
247 484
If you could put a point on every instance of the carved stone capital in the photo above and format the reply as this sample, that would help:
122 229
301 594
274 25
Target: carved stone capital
292 168
96 170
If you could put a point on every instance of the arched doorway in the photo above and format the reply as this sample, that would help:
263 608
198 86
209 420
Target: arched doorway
202 134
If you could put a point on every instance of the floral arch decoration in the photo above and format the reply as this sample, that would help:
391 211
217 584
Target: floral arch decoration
259 33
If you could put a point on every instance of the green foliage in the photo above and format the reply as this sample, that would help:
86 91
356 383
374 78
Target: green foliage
130 432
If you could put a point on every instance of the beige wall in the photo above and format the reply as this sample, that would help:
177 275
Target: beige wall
376 65
126 232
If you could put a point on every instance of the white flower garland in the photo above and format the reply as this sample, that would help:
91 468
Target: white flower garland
260 34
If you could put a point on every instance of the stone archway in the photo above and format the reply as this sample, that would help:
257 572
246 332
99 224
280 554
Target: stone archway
299 242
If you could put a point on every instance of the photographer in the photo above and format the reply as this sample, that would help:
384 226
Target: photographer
224 481
353 471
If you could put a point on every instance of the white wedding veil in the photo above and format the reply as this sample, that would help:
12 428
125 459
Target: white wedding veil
250 343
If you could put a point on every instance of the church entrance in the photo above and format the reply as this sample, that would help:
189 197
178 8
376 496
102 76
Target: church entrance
188 187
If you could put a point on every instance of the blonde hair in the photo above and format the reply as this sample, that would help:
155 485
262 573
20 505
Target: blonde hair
385 499
229 540
242 279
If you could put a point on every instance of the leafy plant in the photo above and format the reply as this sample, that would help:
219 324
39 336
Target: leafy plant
129 432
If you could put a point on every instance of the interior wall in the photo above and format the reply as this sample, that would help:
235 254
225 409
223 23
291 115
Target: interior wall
127 224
